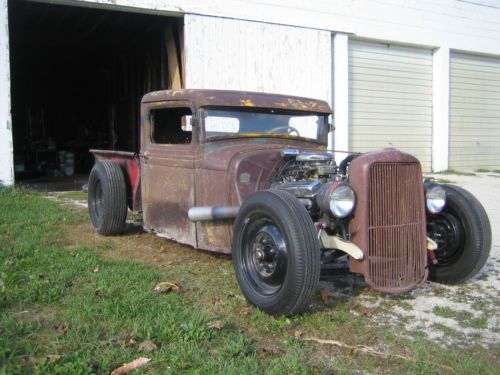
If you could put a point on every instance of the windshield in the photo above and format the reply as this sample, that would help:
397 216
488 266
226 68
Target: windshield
264 122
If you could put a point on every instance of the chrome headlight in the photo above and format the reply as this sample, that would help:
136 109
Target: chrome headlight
435 197
336 198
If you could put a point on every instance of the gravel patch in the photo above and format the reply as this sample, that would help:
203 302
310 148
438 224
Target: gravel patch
465 314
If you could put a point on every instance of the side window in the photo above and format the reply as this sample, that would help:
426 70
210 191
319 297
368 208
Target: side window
171 126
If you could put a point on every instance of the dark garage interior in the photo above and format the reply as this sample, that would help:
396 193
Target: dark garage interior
77 77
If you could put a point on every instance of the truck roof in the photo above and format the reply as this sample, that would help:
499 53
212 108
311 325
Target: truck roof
227 98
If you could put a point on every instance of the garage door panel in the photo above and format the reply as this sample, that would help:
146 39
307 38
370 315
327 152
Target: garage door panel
471 76
474 94
382 71
372 55
473 102
390 87
396 108
405 126
390 99
486 125
389 116
419 80
472 136
388 130
485 84
472 66
400 102
393 95
474 111
395 66
471 112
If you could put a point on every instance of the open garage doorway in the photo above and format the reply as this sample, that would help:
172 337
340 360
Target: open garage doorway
77 77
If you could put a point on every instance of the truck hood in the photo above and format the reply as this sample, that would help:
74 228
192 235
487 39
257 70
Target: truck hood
249 162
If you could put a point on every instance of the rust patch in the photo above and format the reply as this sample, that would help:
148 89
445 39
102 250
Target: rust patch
247 102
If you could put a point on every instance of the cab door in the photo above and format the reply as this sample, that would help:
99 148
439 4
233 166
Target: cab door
167 169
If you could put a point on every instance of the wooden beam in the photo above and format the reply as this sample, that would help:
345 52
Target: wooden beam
174 71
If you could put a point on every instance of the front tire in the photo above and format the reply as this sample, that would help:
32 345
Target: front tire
276 253
463 234
107 198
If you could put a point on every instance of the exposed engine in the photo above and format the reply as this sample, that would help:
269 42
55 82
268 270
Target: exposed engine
316 181
308 176
301 166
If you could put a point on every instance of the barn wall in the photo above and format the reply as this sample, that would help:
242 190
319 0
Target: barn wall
472 25
6 152
253 56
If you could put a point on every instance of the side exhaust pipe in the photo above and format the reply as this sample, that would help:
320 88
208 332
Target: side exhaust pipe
213 213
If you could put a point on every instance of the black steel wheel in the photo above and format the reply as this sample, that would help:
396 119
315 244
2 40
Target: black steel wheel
276 252
463 234
107 198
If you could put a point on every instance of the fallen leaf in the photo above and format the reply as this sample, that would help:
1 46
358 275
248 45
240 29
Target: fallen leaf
217 324
53 357
62 328
131 366
217 301
298 334
128 342
165 287
272 351
147 346
96 269
366 312
245 311
325 296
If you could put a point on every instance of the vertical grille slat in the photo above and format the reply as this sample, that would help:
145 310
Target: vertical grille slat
396 253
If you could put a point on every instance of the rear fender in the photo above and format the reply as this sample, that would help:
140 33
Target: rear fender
129 163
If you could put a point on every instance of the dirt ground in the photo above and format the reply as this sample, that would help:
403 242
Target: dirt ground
449 315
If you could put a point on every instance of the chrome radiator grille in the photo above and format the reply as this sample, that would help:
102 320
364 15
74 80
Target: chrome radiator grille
396 239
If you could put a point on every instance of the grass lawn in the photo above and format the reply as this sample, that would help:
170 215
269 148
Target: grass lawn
72 302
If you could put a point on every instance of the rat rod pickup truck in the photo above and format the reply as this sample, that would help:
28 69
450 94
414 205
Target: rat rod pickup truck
249 174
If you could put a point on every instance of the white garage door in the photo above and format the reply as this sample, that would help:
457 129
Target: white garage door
474 111
390 99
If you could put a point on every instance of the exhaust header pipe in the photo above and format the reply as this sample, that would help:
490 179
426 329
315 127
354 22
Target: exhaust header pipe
213 213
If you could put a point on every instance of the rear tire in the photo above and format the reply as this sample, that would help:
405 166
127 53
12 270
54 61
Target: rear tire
463 234
107 198
276 253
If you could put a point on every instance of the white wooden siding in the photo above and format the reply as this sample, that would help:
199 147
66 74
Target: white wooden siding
242 55
474 111
390 99
6 155
457 24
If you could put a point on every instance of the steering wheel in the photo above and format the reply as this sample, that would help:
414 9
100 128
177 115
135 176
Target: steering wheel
289 130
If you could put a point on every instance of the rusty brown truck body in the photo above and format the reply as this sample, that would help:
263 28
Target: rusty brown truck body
250 174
